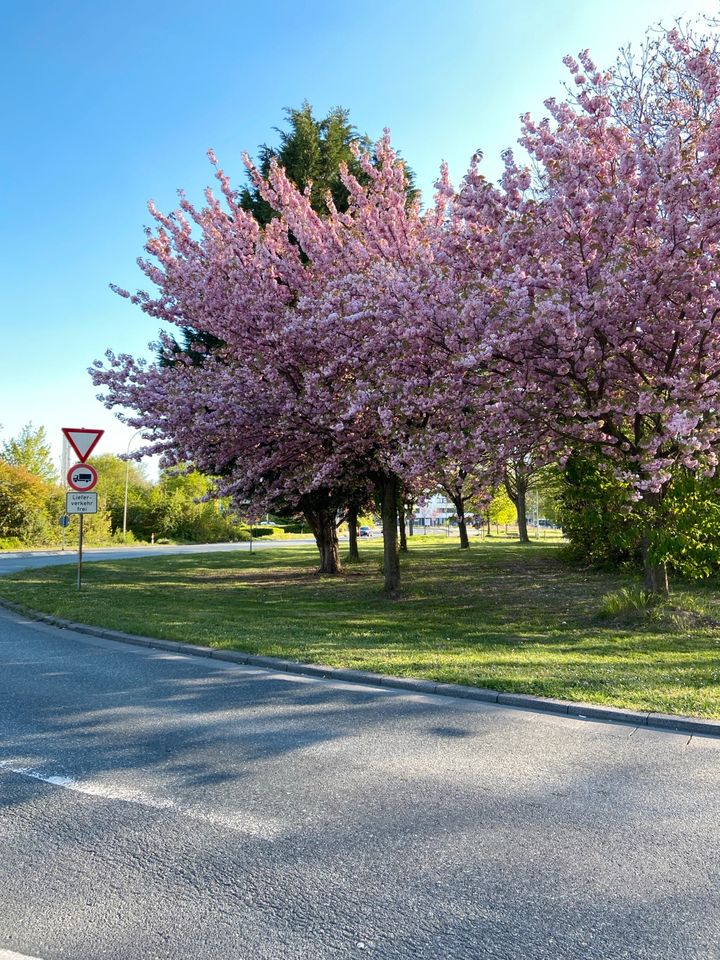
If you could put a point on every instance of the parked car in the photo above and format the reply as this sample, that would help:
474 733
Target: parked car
365 532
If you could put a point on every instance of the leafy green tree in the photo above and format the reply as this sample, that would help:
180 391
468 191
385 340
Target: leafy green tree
690 523
111 488
597 515
173 509
501 509
30 449
24 515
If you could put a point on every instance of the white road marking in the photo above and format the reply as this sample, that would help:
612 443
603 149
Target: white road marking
9 955
237 821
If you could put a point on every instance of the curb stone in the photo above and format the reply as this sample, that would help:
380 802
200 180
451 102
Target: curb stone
590 711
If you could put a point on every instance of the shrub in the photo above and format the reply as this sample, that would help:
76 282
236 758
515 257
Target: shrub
603 526
633 604
596 516
10 543
628 600
296 528
124 538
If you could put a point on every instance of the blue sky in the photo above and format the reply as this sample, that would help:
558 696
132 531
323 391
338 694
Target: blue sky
109 104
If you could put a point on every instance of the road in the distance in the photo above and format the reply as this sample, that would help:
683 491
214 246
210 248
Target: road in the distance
163 806
13 562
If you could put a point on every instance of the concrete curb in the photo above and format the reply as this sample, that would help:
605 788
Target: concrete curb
589 711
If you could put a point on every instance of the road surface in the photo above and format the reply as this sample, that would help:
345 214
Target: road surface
12 562
163 806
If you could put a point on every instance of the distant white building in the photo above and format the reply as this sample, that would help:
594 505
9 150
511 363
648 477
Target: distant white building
434 511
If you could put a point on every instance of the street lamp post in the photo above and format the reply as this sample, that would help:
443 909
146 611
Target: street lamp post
127 478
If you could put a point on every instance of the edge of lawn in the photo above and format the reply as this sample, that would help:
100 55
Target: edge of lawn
584 711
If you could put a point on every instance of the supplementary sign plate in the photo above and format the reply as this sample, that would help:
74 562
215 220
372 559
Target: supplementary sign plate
82 441
81 502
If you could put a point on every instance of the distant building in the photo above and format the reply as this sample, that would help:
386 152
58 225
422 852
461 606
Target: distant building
434 511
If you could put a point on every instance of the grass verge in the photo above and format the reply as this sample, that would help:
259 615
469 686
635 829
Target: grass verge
501 615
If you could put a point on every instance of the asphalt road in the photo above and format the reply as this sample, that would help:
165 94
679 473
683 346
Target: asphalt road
163 806
12 562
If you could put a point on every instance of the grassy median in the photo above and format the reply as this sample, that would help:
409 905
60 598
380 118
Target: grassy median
501 615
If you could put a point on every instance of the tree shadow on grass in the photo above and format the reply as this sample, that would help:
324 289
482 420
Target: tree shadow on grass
498 602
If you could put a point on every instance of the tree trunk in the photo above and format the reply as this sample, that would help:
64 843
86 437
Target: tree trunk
411 523
516 485
656 575
388 489
321 521
459 505
401 527
352 522
464 539
521 507
487 519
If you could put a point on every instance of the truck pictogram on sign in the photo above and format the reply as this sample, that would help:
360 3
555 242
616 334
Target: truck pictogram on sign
82 477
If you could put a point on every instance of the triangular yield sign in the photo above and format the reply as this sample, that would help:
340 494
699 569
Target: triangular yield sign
82 441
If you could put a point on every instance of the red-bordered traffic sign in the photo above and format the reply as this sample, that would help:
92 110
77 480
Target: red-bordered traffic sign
82 477
82 441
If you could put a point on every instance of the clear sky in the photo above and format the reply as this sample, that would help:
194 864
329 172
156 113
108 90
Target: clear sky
109 104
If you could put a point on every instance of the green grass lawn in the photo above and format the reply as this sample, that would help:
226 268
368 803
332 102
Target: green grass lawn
501 615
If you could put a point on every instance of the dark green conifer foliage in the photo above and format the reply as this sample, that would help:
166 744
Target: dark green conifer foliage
311 151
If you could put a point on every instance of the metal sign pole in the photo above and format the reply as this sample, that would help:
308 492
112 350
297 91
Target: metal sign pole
80 551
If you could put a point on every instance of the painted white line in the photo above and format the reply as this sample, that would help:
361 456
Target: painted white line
9 955
239 822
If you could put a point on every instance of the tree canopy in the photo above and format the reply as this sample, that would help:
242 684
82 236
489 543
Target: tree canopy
573 307
30 449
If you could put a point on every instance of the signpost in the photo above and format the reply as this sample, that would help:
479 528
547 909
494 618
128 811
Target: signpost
81 479
80 503
64 522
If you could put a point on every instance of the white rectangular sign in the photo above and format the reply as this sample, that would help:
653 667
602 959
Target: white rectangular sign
81 502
